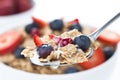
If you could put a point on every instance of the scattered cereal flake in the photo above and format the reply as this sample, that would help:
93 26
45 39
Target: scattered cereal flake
71 34
72 55
70 48
28 52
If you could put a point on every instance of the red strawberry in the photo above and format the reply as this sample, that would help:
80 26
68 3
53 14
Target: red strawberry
9 41
65 41
40 22
51 36
109 37
55 38
96 59
75 21
23 5
37 40
7 7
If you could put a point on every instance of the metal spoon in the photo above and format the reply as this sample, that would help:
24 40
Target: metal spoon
94 36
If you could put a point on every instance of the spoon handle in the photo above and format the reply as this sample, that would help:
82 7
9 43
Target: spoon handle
95 34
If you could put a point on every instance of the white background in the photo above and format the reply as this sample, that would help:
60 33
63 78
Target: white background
91 12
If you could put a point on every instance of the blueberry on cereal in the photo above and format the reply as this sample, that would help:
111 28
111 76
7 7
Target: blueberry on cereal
44 50
83 42
56 24
75 26
71 70
29 27
108 51
17 52
34 31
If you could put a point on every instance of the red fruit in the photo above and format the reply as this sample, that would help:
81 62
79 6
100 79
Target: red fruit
23 5
9 41
51 36
75 21
55 38
7 7
34 31
64 42
59 41
109 37
96 59
41 23
38 42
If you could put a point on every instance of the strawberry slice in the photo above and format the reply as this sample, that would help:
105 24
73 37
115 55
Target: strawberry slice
75 21
57 39
109 37
9 41
96 59
40 22
38 42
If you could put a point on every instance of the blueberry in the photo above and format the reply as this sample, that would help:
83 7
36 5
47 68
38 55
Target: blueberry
70 70
35 31
83 42
57 25
29 27
17 52
108 51
44 50
76 26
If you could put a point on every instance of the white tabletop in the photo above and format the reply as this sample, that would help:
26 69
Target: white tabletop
91 12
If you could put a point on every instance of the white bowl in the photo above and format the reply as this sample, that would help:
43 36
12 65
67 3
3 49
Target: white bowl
19 19
101 72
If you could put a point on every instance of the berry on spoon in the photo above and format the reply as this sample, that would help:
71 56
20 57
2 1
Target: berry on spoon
44 50
64 42
83 42
38 42
57 39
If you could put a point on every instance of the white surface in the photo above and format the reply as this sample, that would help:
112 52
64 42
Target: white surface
91 12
